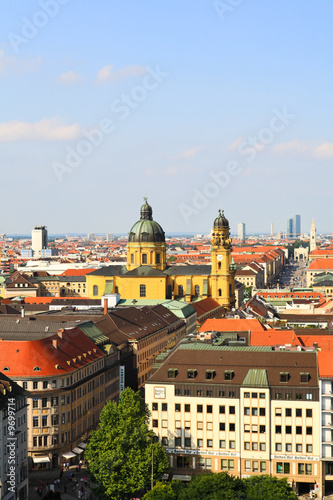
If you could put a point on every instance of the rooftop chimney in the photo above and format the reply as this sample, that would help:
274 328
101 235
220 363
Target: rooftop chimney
22 312
55 343
105 306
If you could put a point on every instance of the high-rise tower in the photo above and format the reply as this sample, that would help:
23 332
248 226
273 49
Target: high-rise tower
38 240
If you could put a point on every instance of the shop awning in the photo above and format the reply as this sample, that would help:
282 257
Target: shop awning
82 445
69 454
41 460
78 451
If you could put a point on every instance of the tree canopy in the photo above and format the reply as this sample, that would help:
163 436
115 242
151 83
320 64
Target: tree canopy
223 486
119 453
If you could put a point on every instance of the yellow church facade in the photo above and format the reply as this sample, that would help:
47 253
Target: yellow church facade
146 274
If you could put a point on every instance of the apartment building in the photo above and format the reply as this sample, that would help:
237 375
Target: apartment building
246 410
68 385
148 330
326 423
13 441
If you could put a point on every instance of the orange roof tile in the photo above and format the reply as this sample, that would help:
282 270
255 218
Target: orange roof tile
274 337
77 272
21 357
321 264
231 324
325 361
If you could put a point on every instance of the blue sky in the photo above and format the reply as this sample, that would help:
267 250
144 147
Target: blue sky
197 105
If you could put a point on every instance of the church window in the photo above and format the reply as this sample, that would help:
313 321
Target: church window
158 258
142 290
144 258
180 290
95 290
132 258
197 290
219 265
220 292
144 237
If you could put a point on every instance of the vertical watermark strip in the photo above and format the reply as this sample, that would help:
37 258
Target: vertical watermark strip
11 446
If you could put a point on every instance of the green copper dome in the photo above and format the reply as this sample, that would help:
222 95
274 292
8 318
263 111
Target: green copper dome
221 221
146 229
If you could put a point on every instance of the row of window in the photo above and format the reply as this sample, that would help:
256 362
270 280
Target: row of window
298 412
222 393
284 468
53 384
200 408
298 430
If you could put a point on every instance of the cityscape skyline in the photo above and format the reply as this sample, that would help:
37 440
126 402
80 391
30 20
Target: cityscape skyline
205 108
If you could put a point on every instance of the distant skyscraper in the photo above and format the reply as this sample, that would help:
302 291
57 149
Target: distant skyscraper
297 226
294 227
110 237
272 229
290 228
241 231
38 240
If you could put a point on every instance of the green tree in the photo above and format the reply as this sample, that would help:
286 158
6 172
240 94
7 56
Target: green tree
120 452
162 491
221 486
268 488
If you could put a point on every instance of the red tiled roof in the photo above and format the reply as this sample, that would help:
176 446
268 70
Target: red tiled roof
231 324
274 337
321 264
205 306
77 272
325 364
21 357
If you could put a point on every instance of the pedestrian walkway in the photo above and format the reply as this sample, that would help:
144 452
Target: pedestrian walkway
48 476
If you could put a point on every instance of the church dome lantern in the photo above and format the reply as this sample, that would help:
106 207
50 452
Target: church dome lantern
221 221
146 230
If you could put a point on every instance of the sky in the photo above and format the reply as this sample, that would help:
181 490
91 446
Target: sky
197 105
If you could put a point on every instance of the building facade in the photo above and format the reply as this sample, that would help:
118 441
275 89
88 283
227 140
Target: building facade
147 274
245 410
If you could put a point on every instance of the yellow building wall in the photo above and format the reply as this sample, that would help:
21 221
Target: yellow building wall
129 288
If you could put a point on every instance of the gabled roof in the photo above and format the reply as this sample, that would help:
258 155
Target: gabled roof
146 271
40 358
116 270
188 270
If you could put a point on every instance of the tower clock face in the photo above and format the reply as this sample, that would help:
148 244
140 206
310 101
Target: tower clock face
219 257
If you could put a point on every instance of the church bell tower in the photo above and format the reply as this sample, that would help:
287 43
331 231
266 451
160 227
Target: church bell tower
223 268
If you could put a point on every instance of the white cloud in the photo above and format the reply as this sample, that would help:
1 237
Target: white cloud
325 150
189 153
294 146
69 78
47 129
14 65
234 145
108 74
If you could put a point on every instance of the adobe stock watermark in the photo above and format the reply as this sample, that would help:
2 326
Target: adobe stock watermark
249 148
225 7
31 27
121 108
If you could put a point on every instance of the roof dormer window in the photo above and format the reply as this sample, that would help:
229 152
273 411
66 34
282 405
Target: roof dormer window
192 373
